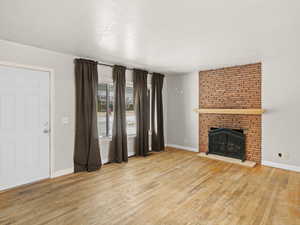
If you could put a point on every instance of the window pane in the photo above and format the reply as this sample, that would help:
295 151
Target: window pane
110 108
105 110
102 106
130 116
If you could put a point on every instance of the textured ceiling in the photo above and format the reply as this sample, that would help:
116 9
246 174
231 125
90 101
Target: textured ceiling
170 36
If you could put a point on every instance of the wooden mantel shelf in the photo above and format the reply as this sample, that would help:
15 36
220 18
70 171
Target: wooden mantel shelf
231 111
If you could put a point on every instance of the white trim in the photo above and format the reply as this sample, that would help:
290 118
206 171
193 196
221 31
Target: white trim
191 149
246 163
281 166
109 138
9 187
51 102
62 172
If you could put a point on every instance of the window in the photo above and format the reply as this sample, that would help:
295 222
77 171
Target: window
105 109
105 96
130 116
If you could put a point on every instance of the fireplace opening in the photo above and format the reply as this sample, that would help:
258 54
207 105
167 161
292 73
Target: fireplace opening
227 142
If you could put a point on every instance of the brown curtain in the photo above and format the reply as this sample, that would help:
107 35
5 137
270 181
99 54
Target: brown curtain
118 151
157 119
141 112
86 152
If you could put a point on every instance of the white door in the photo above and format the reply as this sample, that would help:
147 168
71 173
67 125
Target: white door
24 126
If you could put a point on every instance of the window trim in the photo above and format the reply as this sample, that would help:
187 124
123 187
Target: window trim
109 139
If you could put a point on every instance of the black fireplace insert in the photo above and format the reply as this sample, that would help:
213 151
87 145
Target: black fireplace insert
227 142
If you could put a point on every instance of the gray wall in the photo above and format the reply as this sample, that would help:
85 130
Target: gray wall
182 98
281 97
64 93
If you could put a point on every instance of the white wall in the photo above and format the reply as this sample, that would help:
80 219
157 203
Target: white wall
64 86
182 98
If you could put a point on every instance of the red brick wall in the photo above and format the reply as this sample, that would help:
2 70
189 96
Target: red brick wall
237 87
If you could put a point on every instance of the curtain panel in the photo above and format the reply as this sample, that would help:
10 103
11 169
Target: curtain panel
86 153
157 120
141 108
118 151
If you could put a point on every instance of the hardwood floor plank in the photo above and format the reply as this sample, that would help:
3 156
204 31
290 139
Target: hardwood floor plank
173 187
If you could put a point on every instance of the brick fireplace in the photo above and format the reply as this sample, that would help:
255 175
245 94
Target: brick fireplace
237 87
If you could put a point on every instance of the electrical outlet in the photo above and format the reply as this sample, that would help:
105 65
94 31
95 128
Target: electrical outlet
282 155
286 156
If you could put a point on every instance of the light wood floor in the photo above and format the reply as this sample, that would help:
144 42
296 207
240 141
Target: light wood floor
170 188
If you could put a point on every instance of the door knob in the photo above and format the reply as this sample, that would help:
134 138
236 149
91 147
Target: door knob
46 128
45 131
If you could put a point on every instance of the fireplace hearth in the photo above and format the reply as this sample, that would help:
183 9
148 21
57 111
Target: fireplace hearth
227 142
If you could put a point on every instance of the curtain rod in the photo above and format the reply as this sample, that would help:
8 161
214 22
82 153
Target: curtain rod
110 65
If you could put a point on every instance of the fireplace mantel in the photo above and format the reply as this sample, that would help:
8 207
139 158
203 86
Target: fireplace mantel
231 111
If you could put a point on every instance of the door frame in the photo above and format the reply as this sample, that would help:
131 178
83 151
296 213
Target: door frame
51 106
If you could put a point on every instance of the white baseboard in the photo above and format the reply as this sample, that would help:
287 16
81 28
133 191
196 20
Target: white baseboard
281 166
183 147
62 172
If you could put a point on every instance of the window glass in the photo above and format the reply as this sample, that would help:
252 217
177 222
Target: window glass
102 110
130 116
105 96
110 108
